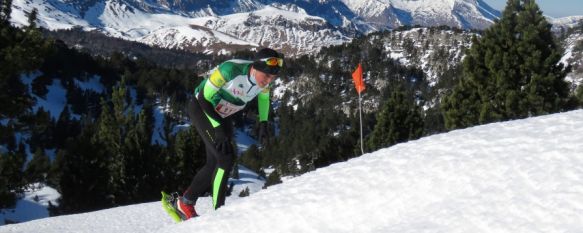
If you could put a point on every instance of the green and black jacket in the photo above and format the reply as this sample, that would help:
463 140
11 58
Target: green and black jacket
228 89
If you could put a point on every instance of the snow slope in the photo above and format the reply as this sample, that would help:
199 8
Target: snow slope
517 176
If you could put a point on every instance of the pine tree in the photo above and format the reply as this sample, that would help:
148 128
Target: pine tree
21 51
109 139
41 129
189 156
5 11
512 72
579 95
141 171
545 88
64 128
32 18
461 107
7 136
400 120
273 179
56 170
244 193
251 158
121 141
38 167
11 178
84 179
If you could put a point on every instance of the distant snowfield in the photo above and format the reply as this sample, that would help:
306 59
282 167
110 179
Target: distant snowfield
33 205
517 176
570 57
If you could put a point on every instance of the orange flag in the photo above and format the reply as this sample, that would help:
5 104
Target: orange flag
357 77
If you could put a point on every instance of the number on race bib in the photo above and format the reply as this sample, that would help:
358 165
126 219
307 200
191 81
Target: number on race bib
225 109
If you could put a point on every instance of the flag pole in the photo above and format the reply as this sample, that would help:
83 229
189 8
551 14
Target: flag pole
360 112
359 85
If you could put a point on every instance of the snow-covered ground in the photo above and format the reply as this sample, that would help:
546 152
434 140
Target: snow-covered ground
517 176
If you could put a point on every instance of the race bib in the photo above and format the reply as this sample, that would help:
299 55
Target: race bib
225 109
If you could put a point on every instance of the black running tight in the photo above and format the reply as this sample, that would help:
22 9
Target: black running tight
215 173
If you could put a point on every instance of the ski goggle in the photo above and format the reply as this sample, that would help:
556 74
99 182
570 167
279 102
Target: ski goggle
273 61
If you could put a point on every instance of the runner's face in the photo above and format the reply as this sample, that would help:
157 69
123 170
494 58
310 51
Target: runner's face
263 79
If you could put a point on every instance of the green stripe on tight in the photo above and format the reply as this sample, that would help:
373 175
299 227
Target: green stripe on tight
214 122
217 186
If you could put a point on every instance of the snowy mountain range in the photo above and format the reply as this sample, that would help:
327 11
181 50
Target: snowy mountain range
516 176
295 27
565 22
222 26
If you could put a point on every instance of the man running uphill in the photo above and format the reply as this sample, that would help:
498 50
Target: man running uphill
228 89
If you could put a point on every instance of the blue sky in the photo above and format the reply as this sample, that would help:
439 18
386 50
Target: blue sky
553 8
